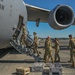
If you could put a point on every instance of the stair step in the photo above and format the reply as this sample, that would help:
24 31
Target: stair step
20 49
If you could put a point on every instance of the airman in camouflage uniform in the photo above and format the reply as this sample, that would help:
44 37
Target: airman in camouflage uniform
16 34
24 30
22 40
57 49
35 43
72 50
23 36
48 50
44 48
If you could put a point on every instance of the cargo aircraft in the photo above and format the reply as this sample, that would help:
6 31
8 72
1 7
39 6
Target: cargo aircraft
14 13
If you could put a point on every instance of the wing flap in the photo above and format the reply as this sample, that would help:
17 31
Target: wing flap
35 13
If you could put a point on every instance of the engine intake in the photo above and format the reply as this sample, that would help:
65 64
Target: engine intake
61 17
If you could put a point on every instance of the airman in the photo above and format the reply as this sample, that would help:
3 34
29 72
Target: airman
48 50
35 43
57 49
72 50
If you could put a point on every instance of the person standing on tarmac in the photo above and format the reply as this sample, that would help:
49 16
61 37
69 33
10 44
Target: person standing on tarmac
45 50
48 50
35 43
72 50
57 50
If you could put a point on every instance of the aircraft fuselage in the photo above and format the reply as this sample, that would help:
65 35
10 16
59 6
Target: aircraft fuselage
11 13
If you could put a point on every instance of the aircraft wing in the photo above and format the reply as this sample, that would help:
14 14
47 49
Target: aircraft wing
36 13
61 17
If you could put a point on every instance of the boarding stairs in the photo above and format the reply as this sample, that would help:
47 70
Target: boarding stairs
20 48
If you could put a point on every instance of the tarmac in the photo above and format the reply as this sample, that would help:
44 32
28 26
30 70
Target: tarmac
13 59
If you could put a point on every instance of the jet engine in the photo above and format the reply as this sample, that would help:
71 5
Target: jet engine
61 17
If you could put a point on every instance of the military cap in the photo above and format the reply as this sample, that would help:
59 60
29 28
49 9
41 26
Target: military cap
34 33
70 35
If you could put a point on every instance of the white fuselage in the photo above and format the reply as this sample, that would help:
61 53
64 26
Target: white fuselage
10 10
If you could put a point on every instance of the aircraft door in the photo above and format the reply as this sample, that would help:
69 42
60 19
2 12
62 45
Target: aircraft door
18 28
20 22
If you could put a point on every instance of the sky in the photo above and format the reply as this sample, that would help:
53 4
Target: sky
44 29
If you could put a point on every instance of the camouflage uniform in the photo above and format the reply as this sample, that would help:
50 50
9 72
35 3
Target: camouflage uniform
57 49
23 37
22 40
17 31
35 44
72 50
24 31
45 49
48 50
16 34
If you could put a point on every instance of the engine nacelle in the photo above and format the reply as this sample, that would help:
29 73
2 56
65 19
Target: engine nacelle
61 17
